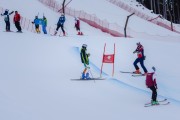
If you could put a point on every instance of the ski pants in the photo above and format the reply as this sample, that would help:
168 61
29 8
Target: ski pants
7 25
44 29
154 93
37 28
17 24
62 27
141 61
77 28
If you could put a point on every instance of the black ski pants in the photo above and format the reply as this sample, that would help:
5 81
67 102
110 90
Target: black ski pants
62 27
7 25
154 93
141 61
17 24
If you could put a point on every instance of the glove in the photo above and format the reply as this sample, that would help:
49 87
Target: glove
144 57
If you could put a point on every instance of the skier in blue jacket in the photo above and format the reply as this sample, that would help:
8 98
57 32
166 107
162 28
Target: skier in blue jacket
37 22
43 22
6 19
60 23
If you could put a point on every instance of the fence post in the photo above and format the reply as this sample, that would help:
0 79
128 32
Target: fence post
125 34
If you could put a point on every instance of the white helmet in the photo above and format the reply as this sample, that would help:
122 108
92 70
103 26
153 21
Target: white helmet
84 45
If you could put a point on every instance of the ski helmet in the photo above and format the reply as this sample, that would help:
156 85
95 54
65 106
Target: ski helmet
6 10
138 43
84 45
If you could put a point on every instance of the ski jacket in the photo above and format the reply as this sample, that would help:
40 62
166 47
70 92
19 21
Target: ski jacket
17 17
61 20
77 24
149 80
43 22
36 21
84 56
6 15
140 51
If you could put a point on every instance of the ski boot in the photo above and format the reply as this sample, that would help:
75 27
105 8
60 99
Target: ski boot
154 103
64 34
137 72
145 73
55 32
83 76
79 33
87 76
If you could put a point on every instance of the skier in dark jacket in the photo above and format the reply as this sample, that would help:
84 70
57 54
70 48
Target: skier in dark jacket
61 24
85 61
140 54
151 84
6 15
17 19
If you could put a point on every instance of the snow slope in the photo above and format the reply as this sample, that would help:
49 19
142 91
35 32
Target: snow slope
36 72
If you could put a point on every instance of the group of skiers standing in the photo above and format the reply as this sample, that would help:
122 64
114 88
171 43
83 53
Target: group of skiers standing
16 20
40 21
150 81
60 24
37 22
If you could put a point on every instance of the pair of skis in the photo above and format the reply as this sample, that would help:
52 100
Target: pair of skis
58 35
161 102
13 31
88 79
133 74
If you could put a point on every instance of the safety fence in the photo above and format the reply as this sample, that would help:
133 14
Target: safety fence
26 24
93 20
157 20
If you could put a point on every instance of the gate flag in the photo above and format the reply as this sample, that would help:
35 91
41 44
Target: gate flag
108 58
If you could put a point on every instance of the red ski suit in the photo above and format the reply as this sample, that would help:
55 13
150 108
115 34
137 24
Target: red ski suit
149 80
17 17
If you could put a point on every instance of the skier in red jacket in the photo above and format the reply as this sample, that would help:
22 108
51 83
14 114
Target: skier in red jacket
151 84
140 54
17 19
77 26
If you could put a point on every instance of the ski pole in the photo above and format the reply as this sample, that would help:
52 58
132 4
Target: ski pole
91 73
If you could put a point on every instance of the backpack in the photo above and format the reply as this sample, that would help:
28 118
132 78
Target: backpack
6 18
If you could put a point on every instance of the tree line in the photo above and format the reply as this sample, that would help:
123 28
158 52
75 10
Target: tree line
169 9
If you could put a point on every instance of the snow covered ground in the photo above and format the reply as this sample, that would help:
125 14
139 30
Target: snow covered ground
36 72
117 15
